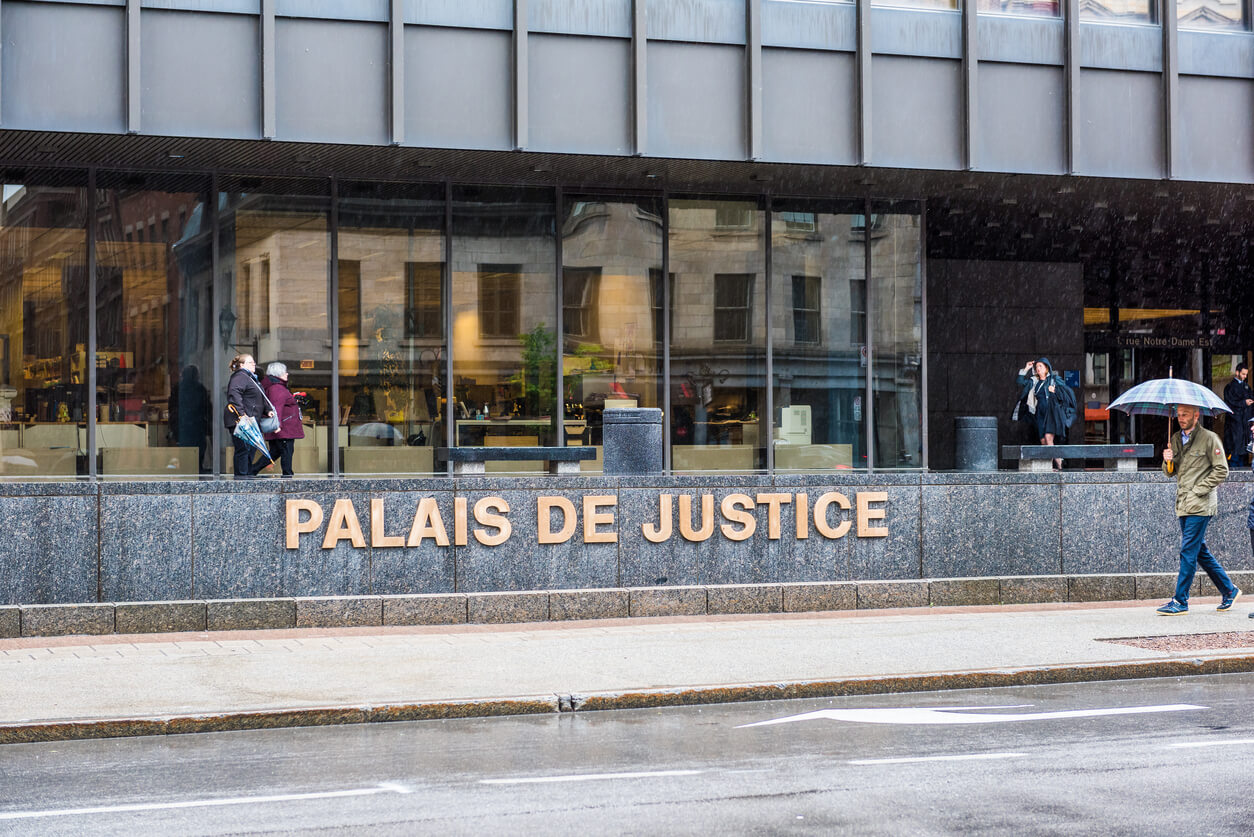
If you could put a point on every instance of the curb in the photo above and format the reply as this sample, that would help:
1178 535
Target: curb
68 730
529 606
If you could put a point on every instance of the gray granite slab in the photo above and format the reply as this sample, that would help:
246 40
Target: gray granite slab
521 562
339 612
1154 529
1034 589
49 553
1228 535
757 559
63 620
250 614
900 554
821 595
814 558
433 609
1101 588
1095 528
10 621
237 546
588 604
146 547
159 617
647 564
745 598
884 594
984 530
427 567
343 570
667 601
507 607
951 592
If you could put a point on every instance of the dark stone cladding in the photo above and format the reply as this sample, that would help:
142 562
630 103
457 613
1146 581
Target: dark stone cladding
79 542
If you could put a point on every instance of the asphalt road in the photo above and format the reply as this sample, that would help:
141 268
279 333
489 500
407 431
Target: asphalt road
1137 757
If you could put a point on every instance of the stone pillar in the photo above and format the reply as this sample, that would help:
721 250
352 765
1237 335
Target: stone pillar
975 443
633 441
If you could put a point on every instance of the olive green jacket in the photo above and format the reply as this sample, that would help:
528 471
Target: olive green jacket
1199 468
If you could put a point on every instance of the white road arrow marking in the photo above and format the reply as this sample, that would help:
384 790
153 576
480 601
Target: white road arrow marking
962 714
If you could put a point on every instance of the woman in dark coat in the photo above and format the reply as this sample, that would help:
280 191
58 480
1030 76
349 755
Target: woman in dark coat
1045 402
244 397
283 440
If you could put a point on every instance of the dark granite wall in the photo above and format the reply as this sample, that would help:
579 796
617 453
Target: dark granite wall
158 541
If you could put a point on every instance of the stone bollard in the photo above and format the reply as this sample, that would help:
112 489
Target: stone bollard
975 443
632 437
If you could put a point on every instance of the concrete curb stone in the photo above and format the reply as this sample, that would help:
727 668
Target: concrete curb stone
1101 588
812 596
425 609
339 612
250 614
588 604
160 617
530 606
951 592
875 595
1033 589
10 622
745 598
666 601
63 620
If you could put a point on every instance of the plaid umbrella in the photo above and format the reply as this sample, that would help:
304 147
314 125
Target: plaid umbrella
1159 398
246 428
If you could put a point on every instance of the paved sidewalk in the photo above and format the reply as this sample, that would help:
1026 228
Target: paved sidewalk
70 687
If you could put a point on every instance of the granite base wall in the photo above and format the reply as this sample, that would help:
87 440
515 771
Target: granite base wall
70 543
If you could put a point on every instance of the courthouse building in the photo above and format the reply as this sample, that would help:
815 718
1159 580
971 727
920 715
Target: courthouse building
812 232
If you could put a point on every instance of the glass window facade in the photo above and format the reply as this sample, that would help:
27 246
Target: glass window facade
818 308
1227 15
504 310
44 303
1120 11
1021 8
391 322
410 317
718 335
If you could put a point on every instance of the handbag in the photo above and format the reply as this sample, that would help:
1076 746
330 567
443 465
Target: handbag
267 424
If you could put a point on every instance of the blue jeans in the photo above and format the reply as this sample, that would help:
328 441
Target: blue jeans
1194 553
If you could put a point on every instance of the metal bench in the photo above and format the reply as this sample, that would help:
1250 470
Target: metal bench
1040 457
468 461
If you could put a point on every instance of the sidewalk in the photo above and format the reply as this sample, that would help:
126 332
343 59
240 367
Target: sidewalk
77 687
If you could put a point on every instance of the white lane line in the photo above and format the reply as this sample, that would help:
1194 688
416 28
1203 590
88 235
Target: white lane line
202 803
962 714
971 757
1220 742
588 777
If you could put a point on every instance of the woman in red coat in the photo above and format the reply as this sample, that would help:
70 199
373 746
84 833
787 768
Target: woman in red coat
283 440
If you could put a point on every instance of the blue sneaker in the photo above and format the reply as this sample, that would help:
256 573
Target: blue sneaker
1173 607
1226 604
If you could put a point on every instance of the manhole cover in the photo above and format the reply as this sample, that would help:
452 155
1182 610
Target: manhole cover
1189 642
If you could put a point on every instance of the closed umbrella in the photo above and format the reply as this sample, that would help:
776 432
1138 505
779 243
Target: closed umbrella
246 428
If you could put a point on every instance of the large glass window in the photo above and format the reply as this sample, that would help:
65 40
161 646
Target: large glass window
154 339
1213 14
718 336
944 5
1027 8
274 258
611 311
818 304
896 299
43 326
1120 11
504 301
391 328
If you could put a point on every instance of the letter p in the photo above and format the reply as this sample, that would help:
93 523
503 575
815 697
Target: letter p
295 528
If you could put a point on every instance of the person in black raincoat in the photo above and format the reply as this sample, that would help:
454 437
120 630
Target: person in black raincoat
1240 399
244 397
1045 403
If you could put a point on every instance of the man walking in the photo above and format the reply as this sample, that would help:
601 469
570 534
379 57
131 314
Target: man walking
1196 458
1240 399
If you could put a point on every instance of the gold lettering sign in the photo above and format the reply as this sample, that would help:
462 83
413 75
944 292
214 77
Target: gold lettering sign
593 518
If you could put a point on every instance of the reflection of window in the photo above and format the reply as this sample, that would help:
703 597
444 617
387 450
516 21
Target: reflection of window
733 216
254 298
857 311
1097 373
732 295
579 301
798 222
350 299
424 316
657 298
858 226
805 309
498 300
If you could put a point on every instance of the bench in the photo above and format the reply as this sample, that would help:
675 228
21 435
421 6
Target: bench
469 461
1040 457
